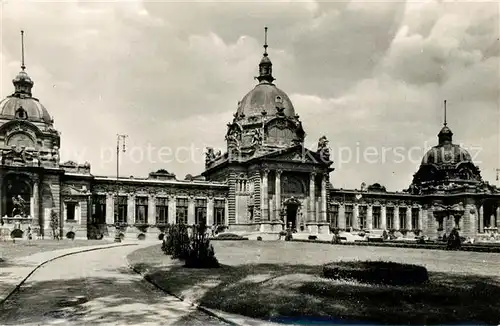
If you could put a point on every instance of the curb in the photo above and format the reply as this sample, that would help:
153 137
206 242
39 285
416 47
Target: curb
18 286
181 298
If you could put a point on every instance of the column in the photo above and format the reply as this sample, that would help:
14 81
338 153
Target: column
383 217
264 202
210 211
151 209
312 197
277 187
355 217
191 211
110 209
172 210
226 212
324 180
409 225
342 222
481 219
369 217
421 222
131 209
497 222
36 203
396 218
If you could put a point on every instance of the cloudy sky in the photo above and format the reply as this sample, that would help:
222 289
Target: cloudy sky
372 77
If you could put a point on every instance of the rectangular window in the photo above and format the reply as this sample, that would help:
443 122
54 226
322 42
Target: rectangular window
219 212
181 209
98 210
362 216
348 216
333 215
376 217
121 212
161 211
141 210
414 218
402 218
200 210
389 214
70 211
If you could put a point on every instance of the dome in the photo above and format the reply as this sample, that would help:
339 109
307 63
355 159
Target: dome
13 106
446 154
265 97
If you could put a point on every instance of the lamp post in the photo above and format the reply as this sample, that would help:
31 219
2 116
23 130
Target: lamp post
120 139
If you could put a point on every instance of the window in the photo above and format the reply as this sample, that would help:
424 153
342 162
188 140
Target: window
99 210
389 213
200 210
348 216
376 217
333 215
414 218
141 210
362 217
161 211
402 218
219 212
121 212
70 211
181 211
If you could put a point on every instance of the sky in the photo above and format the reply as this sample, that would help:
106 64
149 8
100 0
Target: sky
370 76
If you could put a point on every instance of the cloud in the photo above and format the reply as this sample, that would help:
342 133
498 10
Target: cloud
366 74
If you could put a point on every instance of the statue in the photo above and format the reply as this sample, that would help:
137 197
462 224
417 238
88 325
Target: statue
256 137
323 148
232 137
19 206
281 111
209 155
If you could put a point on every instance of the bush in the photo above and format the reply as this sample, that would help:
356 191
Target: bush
141 236
377 272
288 236
201 253
259 238
16 233
312 237
161 236
70 235
176 242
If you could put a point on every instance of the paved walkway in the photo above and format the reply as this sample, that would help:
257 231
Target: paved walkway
93 288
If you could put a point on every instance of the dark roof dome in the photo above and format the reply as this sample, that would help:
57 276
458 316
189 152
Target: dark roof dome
446 154
29 109
265 97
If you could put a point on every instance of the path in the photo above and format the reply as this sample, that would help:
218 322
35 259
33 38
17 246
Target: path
95 288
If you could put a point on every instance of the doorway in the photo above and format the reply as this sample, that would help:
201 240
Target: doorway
291 216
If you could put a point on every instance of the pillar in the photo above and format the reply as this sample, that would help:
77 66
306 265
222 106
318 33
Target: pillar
36 203
172 210
312 197
342 221
226 212
481 219
421 222
497 220
151 209
131 209
383 217
277 188
264 202
396 218
355 213
110 208
210 211
191 211
369 217
409 225
324 180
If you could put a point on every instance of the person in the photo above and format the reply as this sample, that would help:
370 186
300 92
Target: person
454 242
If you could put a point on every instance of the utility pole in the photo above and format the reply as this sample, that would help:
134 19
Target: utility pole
120 140
498 171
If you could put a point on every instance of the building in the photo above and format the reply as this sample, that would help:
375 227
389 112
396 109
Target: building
265 181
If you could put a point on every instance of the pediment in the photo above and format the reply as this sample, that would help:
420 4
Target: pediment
298 155
74 191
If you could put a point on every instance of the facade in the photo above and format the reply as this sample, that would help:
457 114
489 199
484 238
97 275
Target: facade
265 181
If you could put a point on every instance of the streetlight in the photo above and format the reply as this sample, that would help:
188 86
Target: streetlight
119 138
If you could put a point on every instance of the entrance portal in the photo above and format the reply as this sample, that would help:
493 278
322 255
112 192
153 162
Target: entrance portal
291 216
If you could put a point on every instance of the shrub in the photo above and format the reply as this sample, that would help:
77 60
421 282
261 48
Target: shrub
176 243
201 253
161 236
141 236
70 235
259 238
288 236
312 237
16 233
378 272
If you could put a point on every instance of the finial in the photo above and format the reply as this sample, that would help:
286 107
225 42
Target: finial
265 41
445 123
22 51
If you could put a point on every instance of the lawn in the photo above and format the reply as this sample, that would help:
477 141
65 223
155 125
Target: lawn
10 250
281 281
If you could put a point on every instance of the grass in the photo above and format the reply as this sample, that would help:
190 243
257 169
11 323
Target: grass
281 281
21 248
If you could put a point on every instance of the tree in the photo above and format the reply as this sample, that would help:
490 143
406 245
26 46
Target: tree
54 224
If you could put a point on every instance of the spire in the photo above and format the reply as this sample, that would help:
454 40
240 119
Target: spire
445 135
22 83
265 65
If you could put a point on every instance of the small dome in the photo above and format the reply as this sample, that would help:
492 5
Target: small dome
28 108
265 97
446 154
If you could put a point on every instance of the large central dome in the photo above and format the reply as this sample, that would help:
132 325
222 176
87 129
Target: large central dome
265 97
